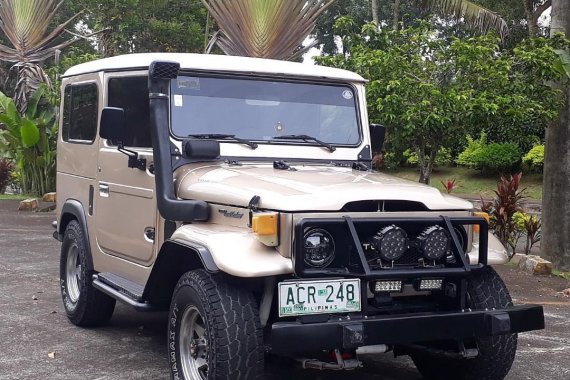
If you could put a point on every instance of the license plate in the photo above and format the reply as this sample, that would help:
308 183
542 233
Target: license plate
318 297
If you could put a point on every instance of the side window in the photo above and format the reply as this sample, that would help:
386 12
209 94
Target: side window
80 106
131 94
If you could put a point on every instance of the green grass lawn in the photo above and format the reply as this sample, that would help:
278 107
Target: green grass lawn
19 197
472 182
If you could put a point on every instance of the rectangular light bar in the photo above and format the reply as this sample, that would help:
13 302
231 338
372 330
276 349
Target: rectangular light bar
430 284
388 286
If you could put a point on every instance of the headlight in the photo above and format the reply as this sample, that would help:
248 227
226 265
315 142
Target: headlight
391 243
435 242
319 248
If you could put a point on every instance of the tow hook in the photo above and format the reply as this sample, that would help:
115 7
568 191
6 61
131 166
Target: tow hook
342 363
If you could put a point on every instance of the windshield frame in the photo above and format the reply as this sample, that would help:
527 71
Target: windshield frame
258 77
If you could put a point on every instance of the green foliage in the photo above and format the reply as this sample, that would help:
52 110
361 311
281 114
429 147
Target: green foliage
534 159
494 157
6 169
519 218
529 226
469 156
442 158
73 56
563 65
430 92
29 140
500 158
137 26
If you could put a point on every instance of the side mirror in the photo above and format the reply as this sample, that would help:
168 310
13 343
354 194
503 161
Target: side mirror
113 124
377 135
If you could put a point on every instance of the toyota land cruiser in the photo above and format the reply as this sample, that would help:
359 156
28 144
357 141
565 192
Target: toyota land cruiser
238 194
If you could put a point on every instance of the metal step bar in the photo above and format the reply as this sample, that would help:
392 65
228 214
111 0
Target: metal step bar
120 296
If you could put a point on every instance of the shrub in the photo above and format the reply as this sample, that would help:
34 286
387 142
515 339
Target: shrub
534 159
500 158
6 169
494 157
529 225
443 157
469 157
504 211
390 161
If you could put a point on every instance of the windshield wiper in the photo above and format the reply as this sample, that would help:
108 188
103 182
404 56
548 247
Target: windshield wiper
307 138
219 136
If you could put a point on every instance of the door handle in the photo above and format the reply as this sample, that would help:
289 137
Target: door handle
104 190
149 234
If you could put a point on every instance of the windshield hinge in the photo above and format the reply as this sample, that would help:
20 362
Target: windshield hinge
253 206
282 165
360 167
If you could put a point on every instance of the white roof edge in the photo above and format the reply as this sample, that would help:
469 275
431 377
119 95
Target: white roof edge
212 62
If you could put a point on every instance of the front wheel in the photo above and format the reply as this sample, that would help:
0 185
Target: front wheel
214 330
486 290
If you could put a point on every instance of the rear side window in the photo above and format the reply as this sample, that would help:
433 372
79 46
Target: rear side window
80 113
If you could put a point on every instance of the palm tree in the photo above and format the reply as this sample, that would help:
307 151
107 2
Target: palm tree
25 24
472 14
265 28
277 28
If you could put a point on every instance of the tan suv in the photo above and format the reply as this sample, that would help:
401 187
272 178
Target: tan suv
237 193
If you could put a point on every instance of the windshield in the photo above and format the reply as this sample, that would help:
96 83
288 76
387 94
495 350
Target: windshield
263 110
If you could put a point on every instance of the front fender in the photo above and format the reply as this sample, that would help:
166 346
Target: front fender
235 251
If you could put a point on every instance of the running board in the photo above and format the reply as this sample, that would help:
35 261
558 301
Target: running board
122 290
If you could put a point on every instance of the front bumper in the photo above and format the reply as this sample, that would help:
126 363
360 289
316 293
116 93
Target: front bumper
343 332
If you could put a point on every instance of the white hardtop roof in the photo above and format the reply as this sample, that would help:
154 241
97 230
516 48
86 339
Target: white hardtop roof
212 62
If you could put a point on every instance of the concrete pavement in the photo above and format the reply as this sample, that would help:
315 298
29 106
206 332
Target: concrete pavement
33 323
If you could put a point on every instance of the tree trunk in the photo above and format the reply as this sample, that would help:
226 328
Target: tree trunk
426 163
396 15
532 15
375 11
556 186
530 19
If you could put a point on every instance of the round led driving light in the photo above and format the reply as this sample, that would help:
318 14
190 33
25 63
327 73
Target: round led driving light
435 242
391 243
319 248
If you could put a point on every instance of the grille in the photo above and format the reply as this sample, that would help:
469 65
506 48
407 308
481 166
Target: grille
164 70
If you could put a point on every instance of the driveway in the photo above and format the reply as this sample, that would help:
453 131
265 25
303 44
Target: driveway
38 342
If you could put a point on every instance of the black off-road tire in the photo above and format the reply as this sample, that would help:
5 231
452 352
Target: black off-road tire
486 290
88 307
232 328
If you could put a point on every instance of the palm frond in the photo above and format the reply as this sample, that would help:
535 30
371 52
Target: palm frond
265 28
25 24
472 14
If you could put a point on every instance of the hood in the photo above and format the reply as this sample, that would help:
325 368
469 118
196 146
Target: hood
308 188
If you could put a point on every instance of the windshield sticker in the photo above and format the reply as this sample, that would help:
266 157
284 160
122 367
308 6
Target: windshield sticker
190 83
347 94
178 102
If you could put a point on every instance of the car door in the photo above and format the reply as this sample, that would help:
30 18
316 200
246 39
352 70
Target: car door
125 201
